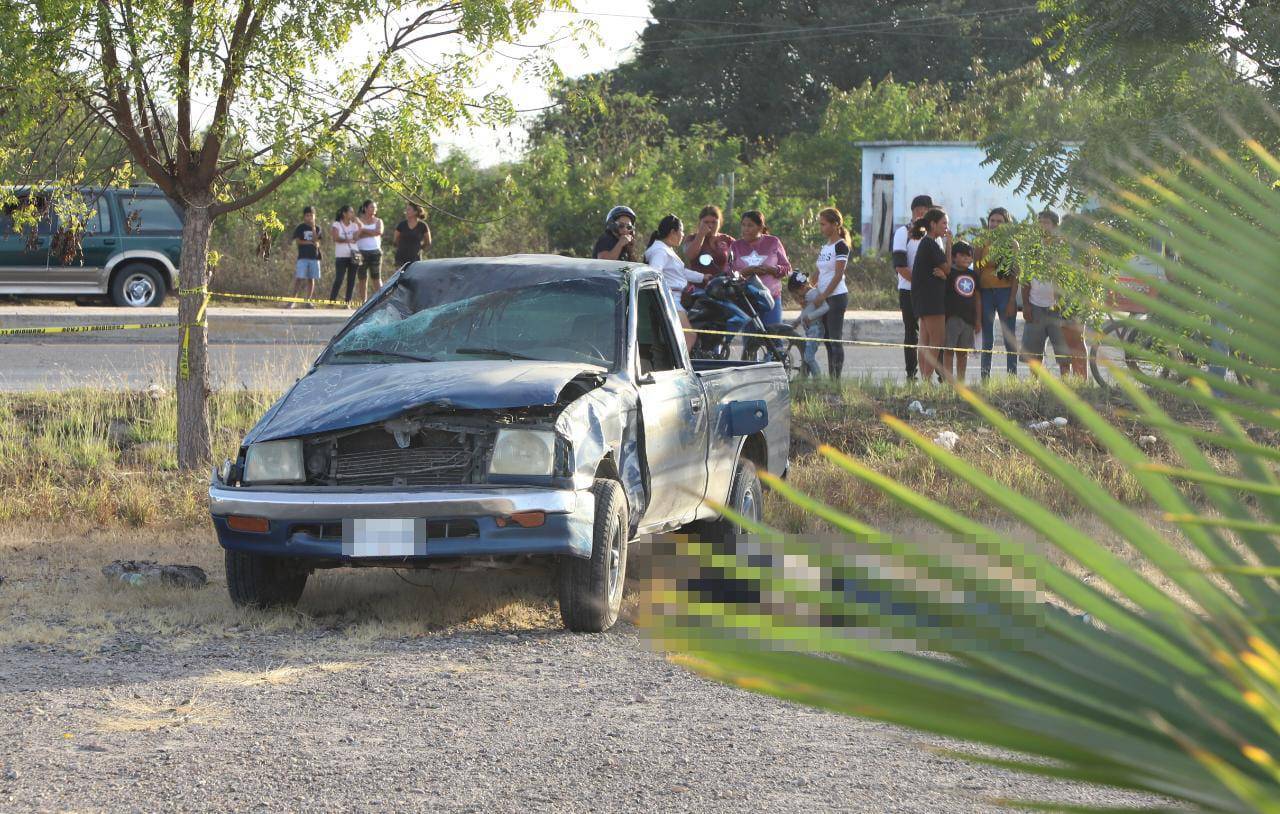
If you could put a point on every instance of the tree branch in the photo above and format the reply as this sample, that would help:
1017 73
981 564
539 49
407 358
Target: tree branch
307 153
115 91
186 21
243 34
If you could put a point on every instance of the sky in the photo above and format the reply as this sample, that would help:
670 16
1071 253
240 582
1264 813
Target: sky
618 24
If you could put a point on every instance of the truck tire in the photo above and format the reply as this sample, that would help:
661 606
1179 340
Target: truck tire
746 497
255 581
137 285
591 589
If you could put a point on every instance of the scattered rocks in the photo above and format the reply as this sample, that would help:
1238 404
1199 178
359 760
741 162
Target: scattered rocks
1146 441
146 572
1040 426
947 440
1060 422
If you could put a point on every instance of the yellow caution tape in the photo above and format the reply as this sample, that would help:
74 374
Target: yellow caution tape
184 358
83 329
268 298
862 342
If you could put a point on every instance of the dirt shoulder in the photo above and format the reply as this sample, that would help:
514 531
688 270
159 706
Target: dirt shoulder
460 696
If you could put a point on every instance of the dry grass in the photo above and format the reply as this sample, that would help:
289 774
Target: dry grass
107 457
279 675
54 596
78 490
848 418
137 715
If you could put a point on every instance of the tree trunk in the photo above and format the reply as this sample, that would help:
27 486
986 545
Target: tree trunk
194 451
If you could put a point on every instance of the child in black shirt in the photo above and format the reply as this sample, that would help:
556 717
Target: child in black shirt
963 309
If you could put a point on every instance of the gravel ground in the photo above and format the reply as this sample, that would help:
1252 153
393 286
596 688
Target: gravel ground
485 722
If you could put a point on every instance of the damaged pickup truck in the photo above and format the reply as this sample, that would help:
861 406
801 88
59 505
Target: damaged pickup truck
490 411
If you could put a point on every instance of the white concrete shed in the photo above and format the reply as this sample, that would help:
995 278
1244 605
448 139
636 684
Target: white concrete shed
951 172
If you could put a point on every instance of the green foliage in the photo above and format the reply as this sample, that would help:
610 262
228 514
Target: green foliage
1139 69
1169 684
763 69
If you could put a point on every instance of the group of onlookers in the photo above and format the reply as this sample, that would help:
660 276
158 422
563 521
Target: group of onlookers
948 291
357 249
693 259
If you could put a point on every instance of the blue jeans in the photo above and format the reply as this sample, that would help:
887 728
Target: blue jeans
809 352
996 301
774 315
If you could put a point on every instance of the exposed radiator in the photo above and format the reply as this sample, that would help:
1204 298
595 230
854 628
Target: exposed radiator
416 466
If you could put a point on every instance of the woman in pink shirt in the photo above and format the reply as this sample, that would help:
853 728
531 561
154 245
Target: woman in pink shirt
760 253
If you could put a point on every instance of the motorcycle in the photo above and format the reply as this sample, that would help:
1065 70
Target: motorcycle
733 304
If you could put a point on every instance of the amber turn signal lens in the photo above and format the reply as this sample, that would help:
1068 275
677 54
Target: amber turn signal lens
258 525
525 520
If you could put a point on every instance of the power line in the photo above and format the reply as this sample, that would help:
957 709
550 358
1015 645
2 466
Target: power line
775 26
890 24
818 35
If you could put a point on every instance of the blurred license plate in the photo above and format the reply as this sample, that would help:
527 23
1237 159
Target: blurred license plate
383 537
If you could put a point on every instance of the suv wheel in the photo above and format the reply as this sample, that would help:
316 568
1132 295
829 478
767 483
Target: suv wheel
137 285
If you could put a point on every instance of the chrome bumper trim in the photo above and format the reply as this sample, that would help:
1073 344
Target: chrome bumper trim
446 502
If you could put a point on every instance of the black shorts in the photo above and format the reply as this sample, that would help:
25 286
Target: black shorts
929 300
370 265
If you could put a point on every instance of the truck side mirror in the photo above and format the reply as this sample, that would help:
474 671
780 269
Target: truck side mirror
746 417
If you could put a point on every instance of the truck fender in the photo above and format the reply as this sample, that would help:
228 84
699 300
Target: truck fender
602 427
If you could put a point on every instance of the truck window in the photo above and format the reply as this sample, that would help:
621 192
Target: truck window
483 317
655 346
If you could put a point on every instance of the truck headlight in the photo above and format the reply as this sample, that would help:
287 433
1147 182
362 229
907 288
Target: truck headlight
523 452
274 462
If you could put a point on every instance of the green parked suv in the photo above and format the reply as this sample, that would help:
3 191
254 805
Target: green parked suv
128 250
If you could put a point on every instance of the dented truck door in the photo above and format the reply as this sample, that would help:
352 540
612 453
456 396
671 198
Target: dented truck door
674 414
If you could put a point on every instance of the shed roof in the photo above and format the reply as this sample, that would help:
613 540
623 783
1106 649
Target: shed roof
915 144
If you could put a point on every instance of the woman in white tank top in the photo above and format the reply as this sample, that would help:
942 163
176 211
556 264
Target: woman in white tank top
369 244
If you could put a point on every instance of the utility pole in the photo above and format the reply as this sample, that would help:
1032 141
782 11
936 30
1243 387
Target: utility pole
728 216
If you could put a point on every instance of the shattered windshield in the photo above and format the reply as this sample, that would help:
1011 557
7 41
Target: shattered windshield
478 318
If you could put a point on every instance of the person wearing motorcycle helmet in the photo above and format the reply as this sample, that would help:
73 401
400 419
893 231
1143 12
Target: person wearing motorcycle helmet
707 249
619 239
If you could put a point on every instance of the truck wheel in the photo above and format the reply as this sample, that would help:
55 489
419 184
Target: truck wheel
591 589
746 497
137 285
256 581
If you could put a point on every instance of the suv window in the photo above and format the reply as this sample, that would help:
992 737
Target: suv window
655 346
98 221
150 215
17 212
97 215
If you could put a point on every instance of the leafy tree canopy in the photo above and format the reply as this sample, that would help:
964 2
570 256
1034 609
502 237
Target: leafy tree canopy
765 68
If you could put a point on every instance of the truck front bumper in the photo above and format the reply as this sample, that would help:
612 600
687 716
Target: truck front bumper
461 521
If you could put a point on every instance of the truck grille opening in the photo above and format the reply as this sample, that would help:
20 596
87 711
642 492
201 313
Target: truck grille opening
436 529
433 458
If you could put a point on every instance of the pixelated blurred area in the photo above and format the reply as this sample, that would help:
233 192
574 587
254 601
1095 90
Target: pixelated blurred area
837 593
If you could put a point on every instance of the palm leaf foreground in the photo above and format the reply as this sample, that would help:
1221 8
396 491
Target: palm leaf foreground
1173 691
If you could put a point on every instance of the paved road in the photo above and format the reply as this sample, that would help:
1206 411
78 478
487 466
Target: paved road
63 364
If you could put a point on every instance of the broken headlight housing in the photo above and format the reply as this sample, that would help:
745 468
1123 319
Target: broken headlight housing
275 462
523 452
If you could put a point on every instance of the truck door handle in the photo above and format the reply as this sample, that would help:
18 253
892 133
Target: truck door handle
695 404
111 241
